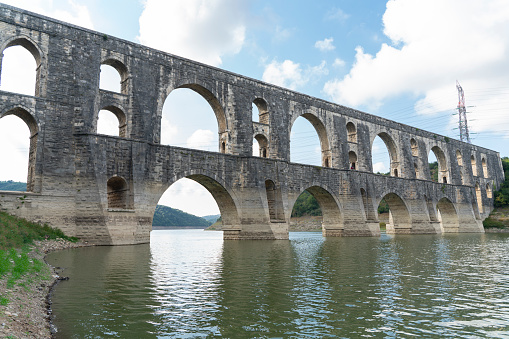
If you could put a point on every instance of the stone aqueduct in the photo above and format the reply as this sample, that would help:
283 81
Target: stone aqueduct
105 189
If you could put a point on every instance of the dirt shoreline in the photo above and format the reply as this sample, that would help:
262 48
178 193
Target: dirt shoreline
27 314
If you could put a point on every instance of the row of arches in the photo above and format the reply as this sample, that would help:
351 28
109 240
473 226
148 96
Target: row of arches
116 123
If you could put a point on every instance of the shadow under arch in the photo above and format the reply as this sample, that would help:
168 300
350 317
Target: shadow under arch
322 136
330 207
393 152
223 197
447 215
399 217
33 127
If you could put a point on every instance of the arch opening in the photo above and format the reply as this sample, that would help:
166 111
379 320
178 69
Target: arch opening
473 163
193 118
384 157
113 76
318 207
19 146
438 165
111 120
447 216
352 158
489 192
309 143
351 132
414 147
202 197
260 111
261 146
20 68
397 218
484 167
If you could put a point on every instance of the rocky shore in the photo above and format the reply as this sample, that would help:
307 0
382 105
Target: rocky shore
26 314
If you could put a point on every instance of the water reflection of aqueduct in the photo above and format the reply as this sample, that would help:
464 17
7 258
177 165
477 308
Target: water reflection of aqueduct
105 189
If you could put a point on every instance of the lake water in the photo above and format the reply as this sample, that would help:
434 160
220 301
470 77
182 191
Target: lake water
192 284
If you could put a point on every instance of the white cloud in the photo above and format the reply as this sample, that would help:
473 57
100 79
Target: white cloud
191 197
337 14
325 45
338 63
434 43
291 75
379 167
74 13
202 139
200 30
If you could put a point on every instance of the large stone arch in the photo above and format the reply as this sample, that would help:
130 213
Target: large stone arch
320 129
36 52
33 127
392 148
443 167
224 197
399 215
447 215
203 90
330 206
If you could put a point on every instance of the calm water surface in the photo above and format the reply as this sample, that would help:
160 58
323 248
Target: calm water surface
192 284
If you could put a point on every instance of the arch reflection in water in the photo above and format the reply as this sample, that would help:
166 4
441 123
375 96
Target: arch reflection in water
193 284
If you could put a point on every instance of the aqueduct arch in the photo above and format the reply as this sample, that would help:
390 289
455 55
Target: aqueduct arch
399 216
321 131
447 215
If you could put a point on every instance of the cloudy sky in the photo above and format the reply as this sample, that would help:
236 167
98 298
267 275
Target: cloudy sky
398 59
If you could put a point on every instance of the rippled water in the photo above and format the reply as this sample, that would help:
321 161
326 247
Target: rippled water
191 284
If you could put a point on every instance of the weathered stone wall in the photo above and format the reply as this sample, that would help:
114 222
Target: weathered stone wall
72 168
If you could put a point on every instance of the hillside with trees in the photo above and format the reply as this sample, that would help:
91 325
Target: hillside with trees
13 186
306 205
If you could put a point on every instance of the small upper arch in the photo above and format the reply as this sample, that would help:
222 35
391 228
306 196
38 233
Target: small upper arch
414 147
443 168
122 71
484 167
27 43
121 117
351 132
25 115
263 110
22 73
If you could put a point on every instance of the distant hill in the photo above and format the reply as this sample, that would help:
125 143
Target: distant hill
212 218
13 186
167 216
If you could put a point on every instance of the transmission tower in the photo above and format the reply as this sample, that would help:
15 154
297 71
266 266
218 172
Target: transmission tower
462 114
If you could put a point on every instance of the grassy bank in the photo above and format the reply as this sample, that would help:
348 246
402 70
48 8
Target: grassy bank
24 277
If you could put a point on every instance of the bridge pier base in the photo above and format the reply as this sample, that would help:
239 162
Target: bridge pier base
272 231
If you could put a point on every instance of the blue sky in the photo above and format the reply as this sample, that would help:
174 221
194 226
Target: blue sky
398 59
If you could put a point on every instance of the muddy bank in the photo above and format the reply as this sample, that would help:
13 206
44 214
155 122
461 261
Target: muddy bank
26 313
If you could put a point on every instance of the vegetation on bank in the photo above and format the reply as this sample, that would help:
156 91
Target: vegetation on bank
306 205
16 266
13 186
499 217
